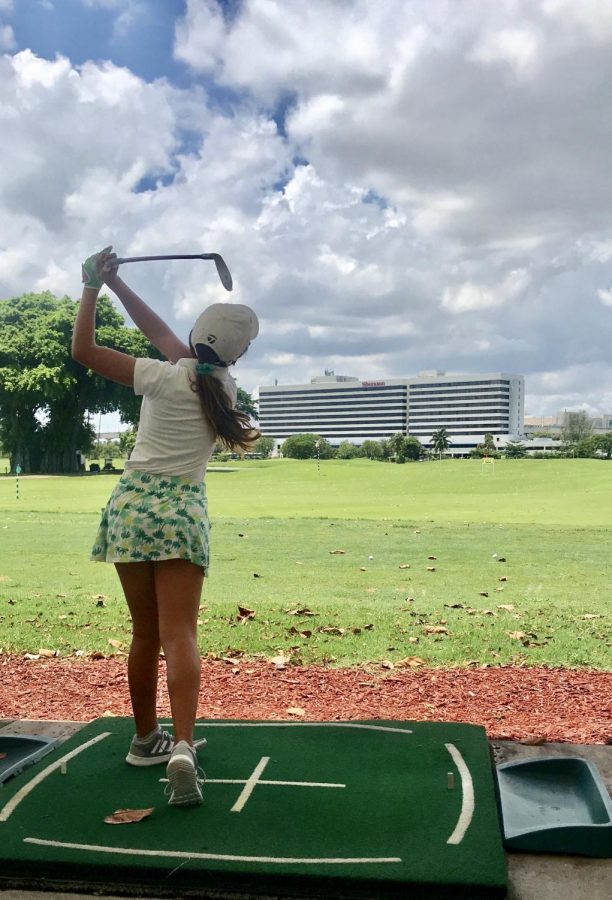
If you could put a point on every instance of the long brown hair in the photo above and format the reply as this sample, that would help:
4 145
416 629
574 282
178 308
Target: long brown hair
231 426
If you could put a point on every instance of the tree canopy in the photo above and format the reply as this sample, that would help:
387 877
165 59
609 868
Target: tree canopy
45 396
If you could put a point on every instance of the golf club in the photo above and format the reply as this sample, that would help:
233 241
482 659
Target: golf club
223 271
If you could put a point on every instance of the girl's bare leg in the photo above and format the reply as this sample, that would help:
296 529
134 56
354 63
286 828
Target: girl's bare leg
138 583
178 588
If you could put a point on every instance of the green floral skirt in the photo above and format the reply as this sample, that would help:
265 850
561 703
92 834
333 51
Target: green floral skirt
154 517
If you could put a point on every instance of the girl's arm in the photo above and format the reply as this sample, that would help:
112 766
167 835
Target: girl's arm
110 363
152 326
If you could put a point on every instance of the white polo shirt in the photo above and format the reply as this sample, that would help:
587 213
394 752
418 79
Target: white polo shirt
174 437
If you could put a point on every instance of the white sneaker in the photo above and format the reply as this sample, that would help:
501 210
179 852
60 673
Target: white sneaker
184 778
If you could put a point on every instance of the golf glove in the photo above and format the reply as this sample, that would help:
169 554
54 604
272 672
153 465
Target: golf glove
95 267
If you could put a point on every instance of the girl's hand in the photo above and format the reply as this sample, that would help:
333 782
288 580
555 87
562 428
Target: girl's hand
99 268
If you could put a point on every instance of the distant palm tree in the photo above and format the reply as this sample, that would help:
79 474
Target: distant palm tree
440 441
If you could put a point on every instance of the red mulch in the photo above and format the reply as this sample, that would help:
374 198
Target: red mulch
511 702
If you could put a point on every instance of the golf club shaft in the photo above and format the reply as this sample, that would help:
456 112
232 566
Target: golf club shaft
128 259
222 270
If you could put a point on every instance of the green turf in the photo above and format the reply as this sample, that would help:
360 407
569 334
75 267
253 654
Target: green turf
52 597
396 806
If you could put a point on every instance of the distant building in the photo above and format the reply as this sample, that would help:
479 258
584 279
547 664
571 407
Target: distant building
554 425
343 408
338 407
468 407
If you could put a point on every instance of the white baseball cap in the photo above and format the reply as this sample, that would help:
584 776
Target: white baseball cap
223 332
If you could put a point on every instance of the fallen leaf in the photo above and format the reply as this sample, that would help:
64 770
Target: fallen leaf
387 664
503 578
405 566
362 569
300 611
413 640
257 575
244 614
126 816
508 606
484 593
332 629
435 629
412 662
588 616
31 656
432 557
62 596
431 568
100 603
534 741
337 551
97 654
280 661
501 559
516 635
48 654
296 711
242 534
118 645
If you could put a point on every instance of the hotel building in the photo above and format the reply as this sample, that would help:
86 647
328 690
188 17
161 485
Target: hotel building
343 408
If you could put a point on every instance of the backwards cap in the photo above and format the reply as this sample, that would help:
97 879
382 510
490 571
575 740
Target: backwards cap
223 332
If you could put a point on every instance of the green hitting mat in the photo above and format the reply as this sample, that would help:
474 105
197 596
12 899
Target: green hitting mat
315 809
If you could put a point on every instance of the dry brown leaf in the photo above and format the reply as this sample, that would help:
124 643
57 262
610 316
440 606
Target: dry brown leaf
244 614
435 629
508 606
405 566
48 654
516 635
362 569
412 662
301 611
97 654
387 664
332 629
503 578
431 568
280 661
534 741
432 557
118 645
296 711
484 593
334 552
127 816
413 640
588 616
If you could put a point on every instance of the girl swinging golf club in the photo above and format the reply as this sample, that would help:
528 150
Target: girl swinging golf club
155 526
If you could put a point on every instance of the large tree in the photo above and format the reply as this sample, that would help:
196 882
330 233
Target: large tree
45 396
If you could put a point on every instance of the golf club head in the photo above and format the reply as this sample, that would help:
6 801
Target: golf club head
223 272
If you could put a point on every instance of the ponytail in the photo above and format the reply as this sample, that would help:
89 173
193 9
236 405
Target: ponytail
231 426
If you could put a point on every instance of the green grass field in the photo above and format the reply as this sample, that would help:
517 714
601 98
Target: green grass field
275 524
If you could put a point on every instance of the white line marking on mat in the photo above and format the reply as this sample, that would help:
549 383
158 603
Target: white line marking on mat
301 725
467 796
185 854
326 784
250 784
10 806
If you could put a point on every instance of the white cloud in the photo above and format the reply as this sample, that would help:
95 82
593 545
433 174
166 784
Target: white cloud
7 38
605 295
454 210
200 35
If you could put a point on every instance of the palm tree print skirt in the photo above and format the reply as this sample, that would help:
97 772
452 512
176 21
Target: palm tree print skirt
154 517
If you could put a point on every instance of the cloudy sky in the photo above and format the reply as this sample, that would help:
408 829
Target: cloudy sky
394 185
